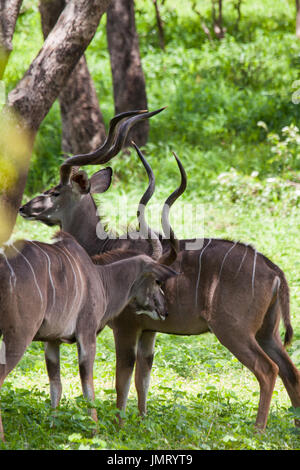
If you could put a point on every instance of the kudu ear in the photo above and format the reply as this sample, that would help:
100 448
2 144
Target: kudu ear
160 271
80 181
101 181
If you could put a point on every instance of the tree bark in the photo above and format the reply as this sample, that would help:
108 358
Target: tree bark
128 79
83 128
160 26
32 98
47 75
9 11
219 30
298 19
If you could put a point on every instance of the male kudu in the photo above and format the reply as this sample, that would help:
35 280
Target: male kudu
225 287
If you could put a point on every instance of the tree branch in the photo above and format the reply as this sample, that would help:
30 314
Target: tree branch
298 19
47 75
203 25
9 11
32 98
126 66
83 128
160 27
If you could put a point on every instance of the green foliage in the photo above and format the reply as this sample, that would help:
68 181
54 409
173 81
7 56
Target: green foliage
47 154
285 150
216 92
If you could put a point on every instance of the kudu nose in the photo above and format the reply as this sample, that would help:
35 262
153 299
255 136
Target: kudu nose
163 315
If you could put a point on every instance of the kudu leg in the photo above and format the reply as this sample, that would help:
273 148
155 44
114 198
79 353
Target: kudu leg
86 346
288 373
246 349
1 425
53 369
144 360
126 348
12 352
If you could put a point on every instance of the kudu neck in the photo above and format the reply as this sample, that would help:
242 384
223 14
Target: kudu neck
119 279
83 223
87 228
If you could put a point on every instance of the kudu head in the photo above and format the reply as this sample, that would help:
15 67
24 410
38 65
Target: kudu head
61 204
147 296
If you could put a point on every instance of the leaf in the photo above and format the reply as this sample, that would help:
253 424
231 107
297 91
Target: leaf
229 438
84 447
75 437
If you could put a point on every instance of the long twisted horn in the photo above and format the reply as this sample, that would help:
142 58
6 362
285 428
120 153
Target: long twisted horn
65 169
68 169
118 131
144 229
170 257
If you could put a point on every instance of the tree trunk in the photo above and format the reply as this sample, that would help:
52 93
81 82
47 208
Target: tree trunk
128 78
298 19
32 98
83 128
9 11
160 26
47 75
219 30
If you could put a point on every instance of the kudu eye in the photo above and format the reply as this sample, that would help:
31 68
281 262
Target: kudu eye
159 283
55 194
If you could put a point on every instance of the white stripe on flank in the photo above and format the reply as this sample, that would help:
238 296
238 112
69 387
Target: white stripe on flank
67 291
12 272
63 250
32 270
215 281
240 266
79 287
199 272
231 248
49 271
253 272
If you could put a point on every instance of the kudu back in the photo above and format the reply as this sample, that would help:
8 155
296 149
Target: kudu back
226 287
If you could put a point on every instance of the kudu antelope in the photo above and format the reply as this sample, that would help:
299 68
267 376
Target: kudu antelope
226 287
56 293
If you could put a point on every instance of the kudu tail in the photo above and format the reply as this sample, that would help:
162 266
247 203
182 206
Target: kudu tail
284 301
284 295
